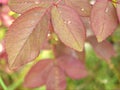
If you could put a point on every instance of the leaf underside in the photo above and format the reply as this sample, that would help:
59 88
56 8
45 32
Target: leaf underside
118 10
103 19
104 49
26 36
21 6
83 7
70 30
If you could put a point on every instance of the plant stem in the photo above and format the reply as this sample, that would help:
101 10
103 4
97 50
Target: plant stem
3 84
15 85
112 67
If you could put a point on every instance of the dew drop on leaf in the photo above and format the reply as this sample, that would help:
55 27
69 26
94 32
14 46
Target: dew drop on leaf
106 10
69 22
82 9
36 2
92 2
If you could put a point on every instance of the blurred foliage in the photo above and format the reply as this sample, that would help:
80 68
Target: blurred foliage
101 76
116 35
2 32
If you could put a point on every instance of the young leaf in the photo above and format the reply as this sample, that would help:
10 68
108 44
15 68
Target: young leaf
26 36
81 56
56 79
103 19
68 26
83 7
104 49
21 6
61 50
38 74
118 9
72 66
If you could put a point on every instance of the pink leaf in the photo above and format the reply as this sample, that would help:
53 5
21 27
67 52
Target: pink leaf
21 6
118 9
38 74
83 7
104 49
72 66
56 79
68 26
61 50
26 36
103 19
81 56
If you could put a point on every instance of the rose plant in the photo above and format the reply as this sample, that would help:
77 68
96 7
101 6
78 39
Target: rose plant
63 26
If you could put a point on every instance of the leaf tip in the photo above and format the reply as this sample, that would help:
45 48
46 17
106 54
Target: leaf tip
79 49
99 39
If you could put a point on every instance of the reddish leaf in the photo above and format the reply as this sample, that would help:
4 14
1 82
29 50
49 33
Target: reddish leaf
72 66
68 27
38 74
104 49
56 79
86 21
83 7
21 6
103 19
118 9
26 36
81 56
61 50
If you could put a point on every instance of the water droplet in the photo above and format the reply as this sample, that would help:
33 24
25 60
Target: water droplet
106 10
49 35
82 9
36 2
69 22
92 2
